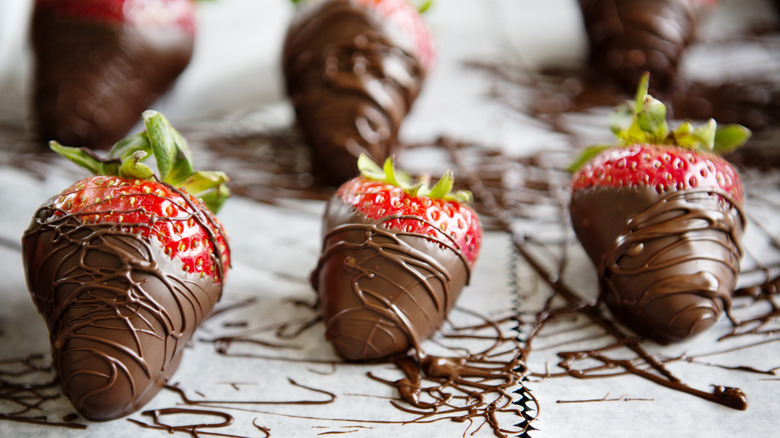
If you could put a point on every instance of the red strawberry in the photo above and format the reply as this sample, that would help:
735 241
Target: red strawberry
124 266
100 63
353 69
661 218
408 24
394 260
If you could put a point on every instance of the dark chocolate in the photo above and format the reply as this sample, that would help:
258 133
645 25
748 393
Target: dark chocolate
668 263
350 83
93 80
629 37
383 291
119 311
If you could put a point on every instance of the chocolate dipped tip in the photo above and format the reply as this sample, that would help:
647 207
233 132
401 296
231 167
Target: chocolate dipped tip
630 37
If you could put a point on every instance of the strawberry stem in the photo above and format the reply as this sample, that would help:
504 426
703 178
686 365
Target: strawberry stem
644 121
171 153
388 174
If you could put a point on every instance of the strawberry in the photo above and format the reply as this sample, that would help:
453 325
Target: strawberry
353 69
394 260
661 217
629 37
124 266
100 63
407 23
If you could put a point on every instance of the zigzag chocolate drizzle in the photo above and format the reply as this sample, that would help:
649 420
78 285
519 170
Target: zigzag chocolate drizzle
119 310
674 268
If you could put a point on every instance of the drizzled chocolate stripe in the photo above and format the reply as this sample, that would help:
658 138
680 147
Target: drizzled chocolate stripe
119 311
383 291
350 83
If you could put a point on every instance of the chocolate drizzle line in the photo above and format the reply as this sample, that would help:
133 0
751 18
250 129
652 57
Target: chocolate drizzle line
25 386
118 316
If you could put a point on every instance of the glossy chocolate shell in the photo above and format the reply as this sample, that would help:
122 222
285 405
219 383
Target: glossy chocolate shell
119 311
668 263
383 291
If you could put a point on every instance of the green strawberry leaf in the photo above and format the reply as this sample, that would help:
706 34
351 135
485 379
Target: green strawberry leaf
423 6
173 156
129 145
644 121
442 187
730 137
369 169
587 154
132 168
389 174
209 187
87 159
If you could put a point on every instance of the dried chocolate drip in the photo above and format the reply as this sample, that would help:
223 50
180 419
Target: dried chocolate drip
350 84
119 311
222 420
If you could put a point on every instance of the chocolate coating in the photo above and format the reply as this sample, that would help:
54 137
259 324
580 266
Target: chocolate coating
383 291
119 311
630 37
668 263
351 85
93 80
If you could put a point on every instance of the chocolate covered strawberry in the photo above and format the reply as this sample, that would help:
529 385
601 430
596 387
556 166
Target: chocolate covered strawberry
353 69
661 218
124 266
629 37
394 260
100 63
